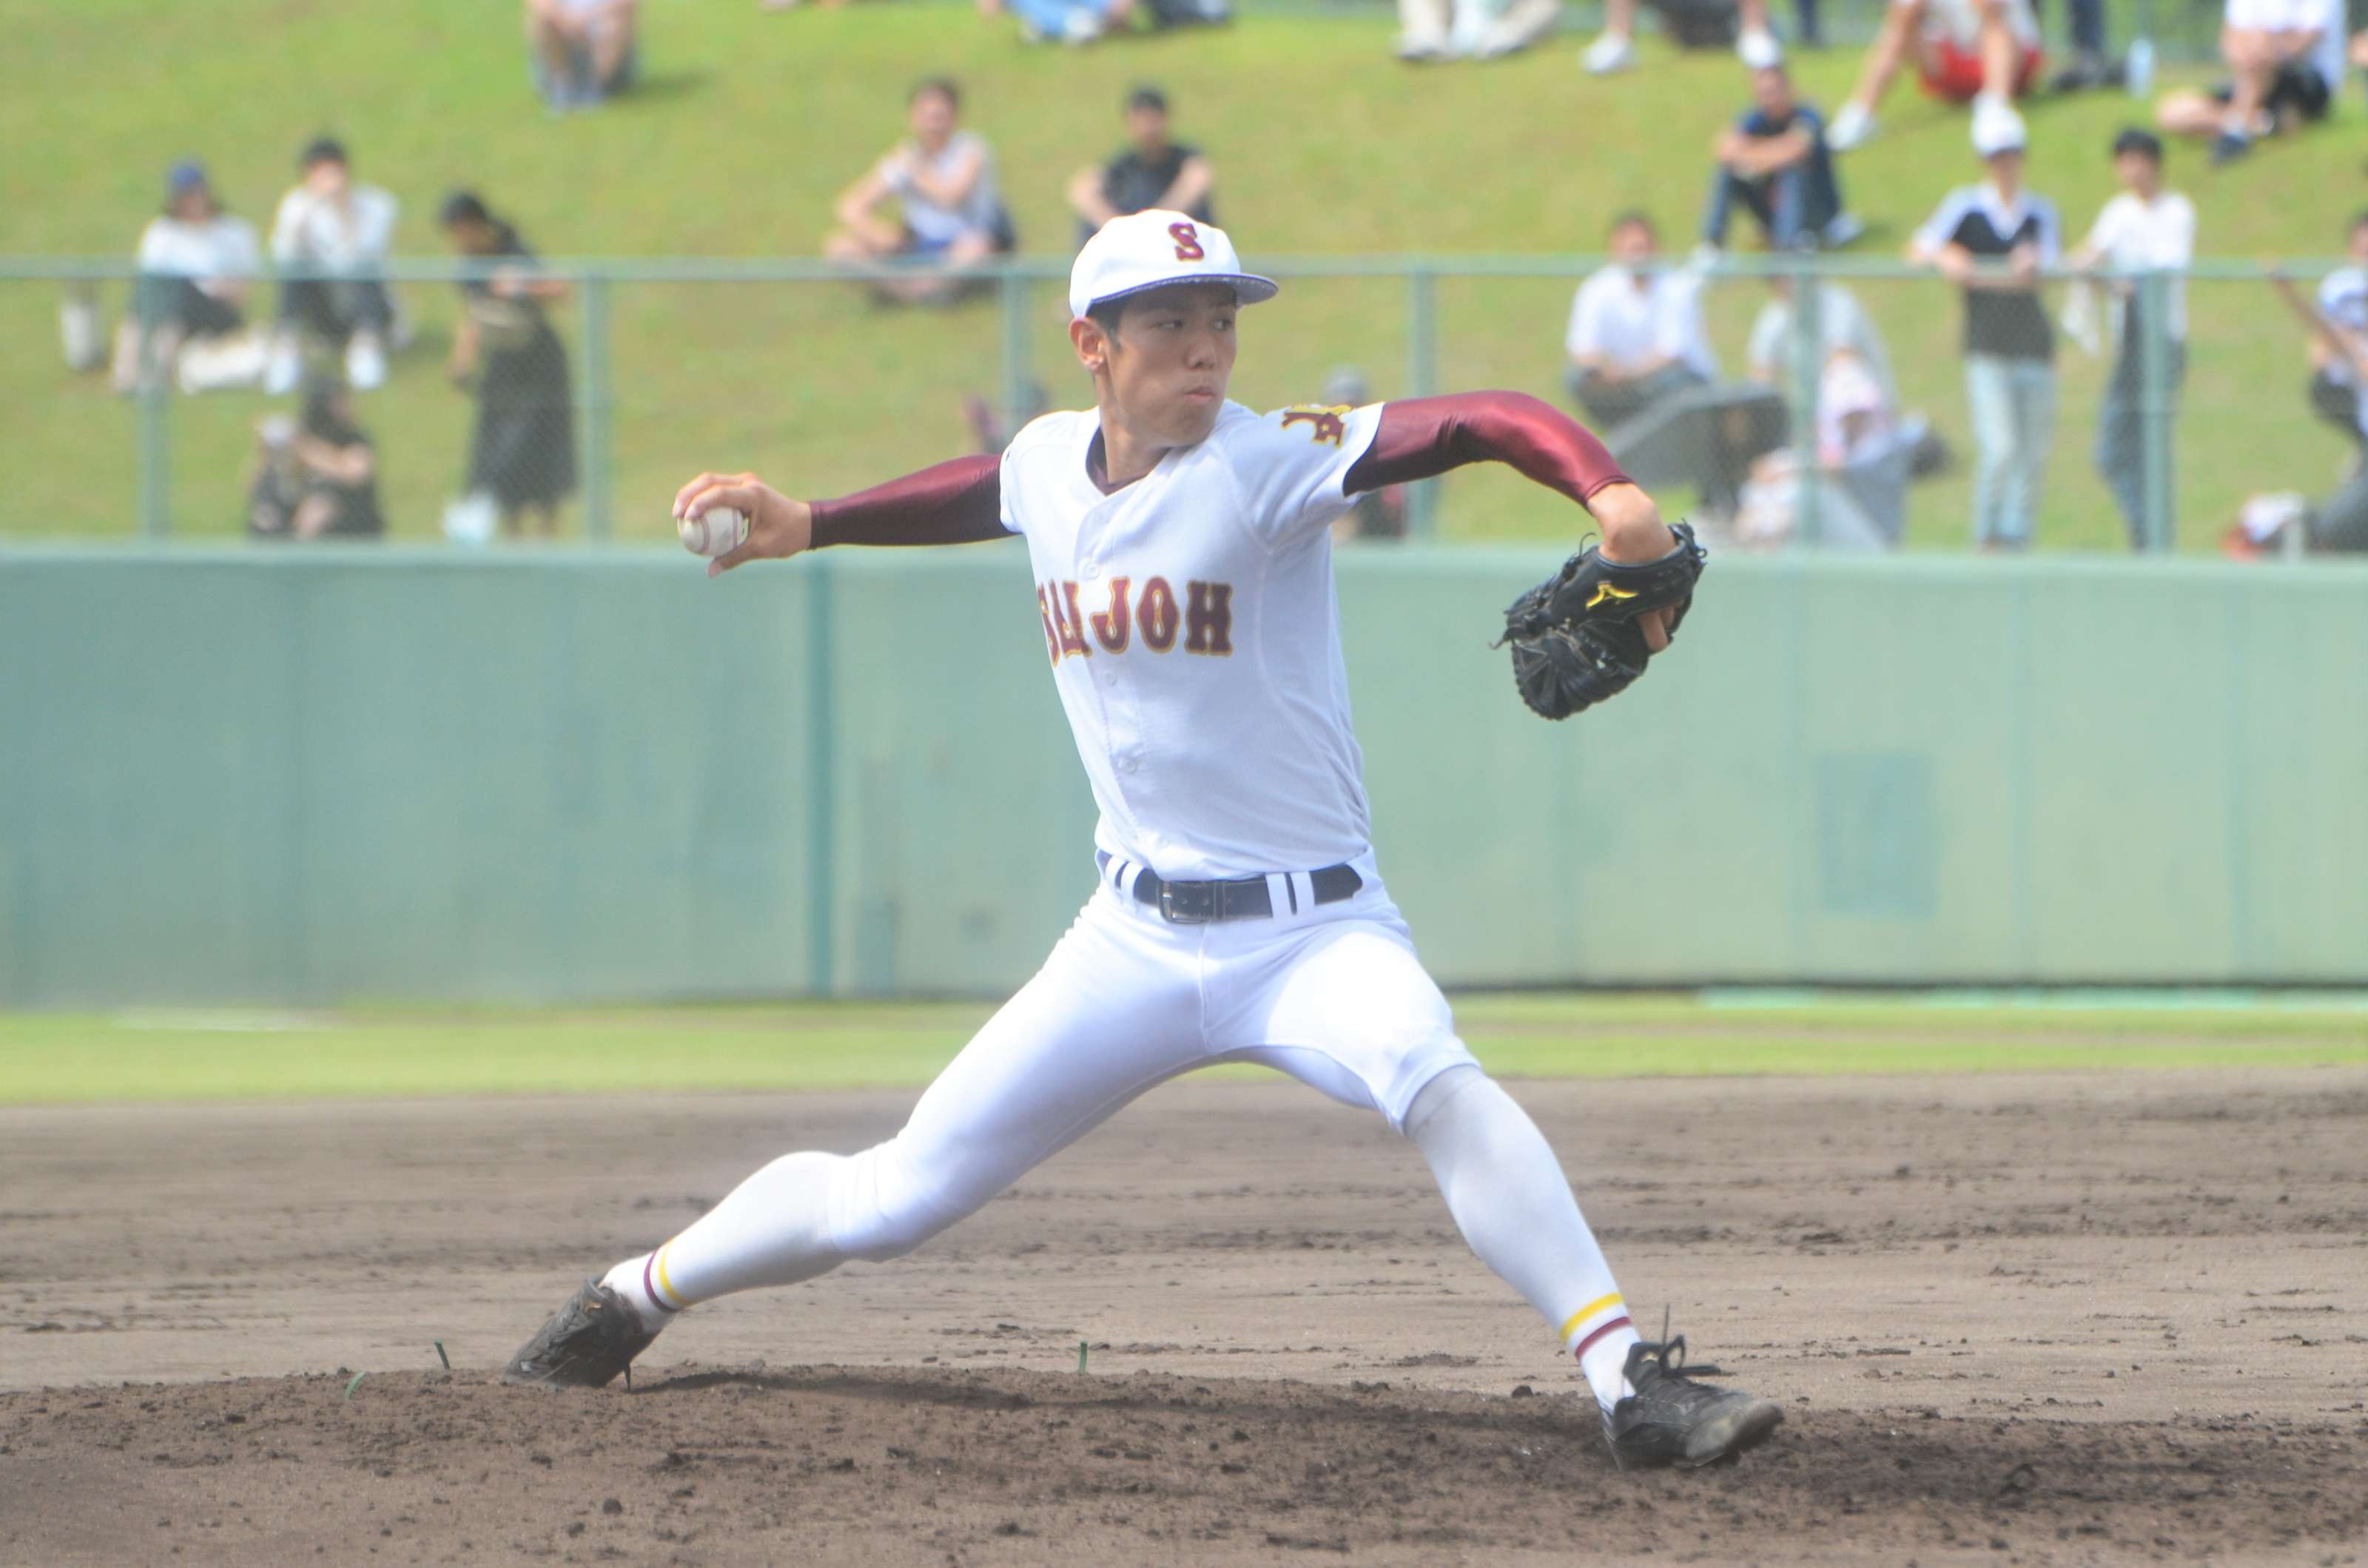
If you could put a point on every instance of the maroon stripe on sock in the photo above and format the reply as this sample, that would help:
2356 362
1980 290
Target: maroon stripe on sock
1619 1322
649 1286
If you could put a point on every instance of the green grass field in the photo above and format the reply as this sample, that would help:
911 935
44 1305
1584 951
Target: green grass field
413 1053
748 123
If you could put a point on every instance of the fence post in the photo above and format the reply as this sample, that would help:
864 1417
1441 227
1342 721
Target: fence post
1018 372
2149 314
1422 381
592 406
156 384
1808 368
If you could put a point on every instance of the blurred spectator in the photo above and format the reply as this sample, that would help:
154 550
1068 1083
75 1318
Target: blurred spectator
2338 337
1863 455
329 224
1964 50
1373 513
2142 229
2090 66
2285 60
522 454
1615 48
1150 171
1636 333
197 265
2286 524
1844 326
1773 163
317 477
950 216
1992 241
581 52
1062 21
1451 29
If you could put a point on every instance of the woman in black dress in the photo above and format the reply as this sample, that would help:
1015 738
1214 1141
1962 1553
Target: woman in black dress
523 453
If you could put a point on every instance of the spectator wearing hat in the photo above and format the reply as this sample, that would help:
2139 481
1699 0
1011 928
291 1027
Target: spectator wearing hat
197 265
580 52
336 233
1773 163
950 215
1150 171
2144 229
2286 61
1992 240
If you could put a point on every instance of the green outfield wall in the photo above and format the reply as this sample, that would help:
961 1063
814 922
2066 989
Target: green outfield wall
233 777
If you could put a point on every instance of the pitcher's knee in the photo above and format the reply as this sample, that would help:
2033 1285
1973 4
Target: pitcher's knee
880 1209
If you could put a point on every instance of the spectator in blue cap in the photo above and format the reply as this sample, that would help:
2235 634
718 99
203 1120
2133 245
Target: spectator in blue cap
196 264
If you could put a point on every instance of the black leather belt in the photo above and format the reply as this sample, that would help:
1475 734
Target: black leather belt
1246 898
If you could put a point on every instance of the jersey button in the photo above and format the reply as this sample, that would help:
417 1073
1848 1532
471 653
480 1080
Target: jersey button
1110 677
1126 765
1092 570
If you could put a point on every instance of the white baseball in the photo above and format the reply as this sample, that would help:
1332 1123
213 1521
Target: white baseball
716 531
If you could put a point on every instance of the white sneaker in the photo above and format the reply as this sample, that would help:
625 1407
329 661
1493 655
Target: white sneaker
284 369
1081 27
1758 49
365 362
1523 23
1613 51
1852 126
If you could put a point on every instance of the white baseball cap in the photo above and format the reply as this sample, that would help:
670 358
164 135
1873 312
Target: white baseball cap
1154 248
1997 129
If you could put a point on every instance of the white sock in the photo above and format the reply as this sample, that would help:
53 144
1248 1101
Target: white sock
1510 1199
637 1281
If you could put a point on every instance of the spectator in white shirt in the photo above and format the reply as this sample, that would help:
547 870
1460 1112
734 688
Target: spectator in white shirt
580 52
197 266
2146 228
1635 332
2285 60
2338 337
951 217
339 233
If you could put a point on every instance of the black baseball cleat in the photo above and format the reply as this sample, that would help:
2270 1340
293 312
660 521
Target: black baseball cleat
588 1341
1672 1419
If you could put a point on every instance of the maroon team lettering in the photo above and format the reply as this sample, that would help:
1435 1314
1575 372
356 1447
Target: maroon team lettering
1152 613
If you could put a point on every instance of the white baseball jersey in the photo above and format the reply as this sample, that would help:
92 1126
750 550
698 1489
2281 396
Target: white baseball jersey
1191 624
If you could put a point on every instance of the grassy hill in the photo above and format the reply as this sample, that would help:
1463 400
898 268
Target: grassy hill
748 123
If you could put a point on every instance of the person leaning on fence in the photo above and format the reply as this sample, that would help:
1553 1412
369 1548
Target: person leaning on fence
1773 163
2286 61
1985 52
522 451
1635 333
1993 240
2337 325
949 214
197 266
580 52
2146 228
340 231
1150 171
316 477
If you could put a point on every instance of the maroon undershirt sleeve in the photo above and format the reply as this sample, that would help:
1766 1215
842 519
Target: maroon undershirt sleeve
1424 437
953 503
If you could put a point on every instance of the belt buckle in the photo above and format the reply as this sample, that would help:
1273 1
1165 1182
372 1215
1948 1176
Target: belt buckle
1199 903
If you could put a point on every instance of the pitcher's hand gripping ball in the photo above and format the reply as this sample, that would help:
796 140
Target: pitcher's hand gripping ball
718 530
1574 638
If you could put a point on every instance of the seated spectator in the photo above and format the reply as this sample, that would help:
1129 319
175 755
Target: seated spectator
316 478
1773 163
2145 228
2286 61
328 224
522 449
1964 50
581 52
1755 43
1864 455
950 215
1636 333
1063 21
2287 523
1992 240
1150 171
1842 325
1471 29
2337 325
197 265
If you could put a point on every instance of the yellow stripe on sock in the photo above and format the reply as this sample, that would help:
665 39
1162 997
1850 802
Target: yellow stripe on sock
1568 1328
668 1285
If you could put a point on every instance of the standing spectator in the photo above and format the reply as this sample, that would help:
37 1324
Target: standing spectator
1992 241
2146 228
1965 50
2285 60
522 453
1635 332
1773 163
315 478
2338 337
1063 21
581 52
328 224
1754 44
1150 171
951 217
197 265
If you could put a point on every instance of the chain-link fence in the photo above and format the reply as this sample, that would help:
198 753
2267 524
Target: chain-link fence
1841 410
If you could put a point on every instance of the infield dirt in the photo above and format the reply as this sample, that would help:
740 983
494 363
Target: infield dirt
2035 1318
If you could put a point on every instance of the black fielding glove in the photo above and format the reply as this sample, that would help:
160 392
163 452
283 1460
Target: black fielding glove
1574 638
